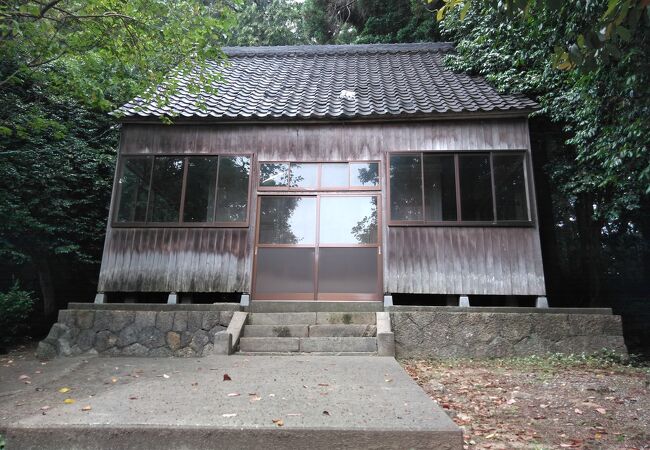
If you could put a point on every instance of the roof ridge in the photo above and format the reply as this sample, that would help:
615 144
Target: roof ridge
344 49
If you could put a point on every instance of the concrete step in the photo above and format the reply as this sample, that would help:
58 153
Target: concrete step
319 306
306 318
276 330
338 330
338 344
308 344
312 318
307 354
269 344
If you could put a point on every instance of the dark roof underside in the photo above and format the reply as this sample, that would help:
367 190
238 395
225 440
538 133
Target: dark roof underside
334 82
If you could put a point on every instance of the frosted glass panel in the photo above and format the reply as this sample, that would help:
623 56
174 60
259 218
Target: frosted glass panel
285 270
347 270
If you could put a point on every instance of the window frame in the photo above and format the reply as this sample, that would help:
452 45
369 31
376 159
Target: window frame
181 223
459 222
319 177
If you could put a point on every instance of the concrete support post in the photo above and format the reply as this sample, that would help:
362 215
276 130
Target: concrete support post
172 298
225 342
245 300
100 298
385 335
541 302
463 301
388 300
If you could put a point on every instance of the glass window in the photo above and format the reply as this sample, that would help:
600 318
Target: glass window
406 187
475 187
200 189
133 188
274 174
287 220
166 186
510 187
304 175
356 220
364 174
439 187
335 175
232 190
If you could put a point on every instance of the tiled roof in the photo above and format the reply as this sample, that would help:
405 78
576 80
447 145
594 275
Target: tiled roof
334 81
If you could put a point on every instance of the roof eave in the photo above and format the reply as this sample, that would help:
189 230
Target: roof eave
501 114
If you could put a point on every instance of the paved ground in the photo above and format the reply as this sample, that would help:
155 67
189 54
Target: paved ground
368 401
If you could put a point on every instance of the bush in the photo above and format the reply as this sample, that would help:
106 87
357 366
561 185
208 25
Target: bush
15 306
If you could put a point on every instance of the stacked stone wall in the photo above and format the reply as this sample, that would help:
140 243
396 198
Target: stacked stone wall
439 334
134 333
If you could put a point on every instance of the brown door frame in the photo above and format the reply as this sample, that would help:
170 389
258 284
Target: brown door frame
316 296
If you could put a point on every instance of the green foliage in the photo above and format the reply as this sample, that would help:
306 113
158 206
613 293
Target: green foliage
268 22
102 52
15 307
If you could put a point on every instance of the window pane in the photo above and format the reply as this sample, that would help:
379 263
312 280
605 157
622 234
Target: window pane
287 220
405 187
134 189
475 187
364 174
274 174
166 185
232 192
439 187
510 187
334 175
348 220
304 175
200 189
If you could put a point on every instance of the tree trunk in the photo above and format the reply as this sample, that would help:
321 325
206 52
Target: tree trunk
590 250
47 286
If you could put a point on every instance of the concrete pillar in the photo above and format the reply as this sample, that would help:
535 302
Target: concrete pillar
541 302
245 300
463 301
100 297
172 298
388 300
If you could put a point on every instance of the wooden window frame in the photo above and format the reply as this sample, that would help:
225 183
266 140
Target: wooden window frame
181 223
459 222
318 187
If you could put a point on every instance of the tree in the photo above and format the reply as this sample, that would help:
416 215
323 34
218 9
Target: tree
268 22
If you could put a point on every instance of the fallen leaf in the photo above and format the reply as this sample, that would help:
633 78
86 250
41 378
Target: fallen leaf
64 390
86 408
228 415
233 394
388 380
165 376
68 401
578 411
45 408
294 414
323 384
195 384
24 377
326 413
278 422
132 397
256 398
113 380
603 411
226 377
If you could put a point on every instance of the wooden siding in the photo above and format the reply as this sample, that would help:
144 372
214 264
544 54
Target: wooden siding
440 260
176 259
327 142
464 260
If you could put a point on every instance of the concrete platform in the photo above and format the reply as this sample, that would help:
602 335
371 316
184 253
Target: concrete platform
322 402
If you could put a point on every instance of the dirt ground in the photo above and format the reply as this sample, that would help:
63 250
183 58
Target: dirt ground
540 403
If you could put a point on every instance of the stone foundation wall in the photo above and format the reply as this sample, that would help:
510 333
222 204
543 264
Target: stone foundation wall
134 333
434 333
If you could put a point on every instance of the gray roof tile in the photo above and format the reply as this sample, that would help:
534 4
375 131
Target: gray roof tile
305 82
